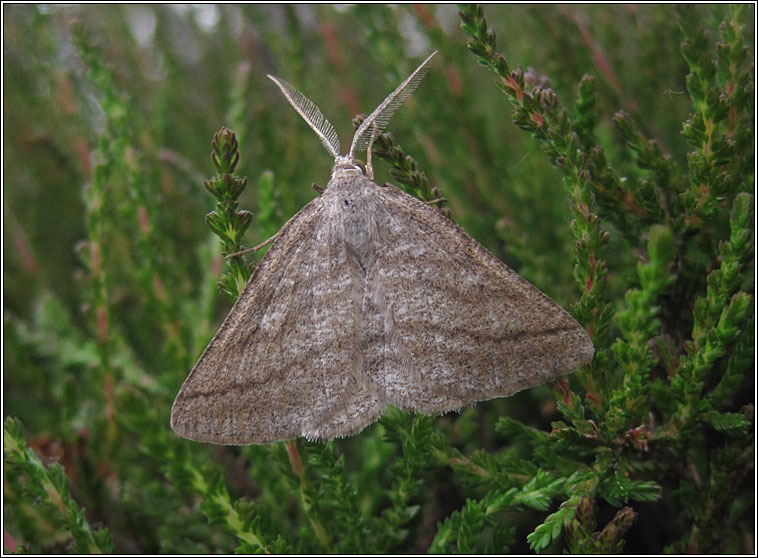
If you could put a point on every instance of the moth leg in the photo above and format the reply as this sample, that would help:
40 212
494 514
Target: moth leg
255 248
438 200
369 166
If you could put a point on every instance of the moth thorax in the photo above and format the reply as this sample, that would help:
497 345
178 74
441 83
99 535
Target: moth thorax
346 165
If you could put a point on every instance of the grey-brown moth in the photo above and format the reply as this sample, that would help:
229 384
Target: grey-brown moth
366 298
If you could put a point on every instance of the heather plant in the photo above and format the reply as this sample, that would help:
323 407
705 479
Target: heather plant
625 191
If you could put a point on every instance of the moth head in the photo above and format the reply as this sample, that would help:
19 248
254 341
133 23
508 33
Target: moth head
345 165
367 132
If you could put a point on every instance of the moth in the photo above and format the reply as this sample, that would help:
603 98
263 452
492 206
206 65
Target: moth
366 298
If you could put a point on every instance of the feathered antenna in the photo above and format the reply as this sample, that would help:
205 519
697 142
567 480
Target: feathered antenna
369 129
375 123
312 115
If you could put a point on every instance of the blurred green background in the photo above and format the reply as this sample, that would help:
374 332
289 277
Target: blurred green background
109 111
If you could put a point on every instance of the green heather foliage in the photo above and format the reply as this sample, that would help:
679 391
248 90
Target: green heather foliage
624 191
